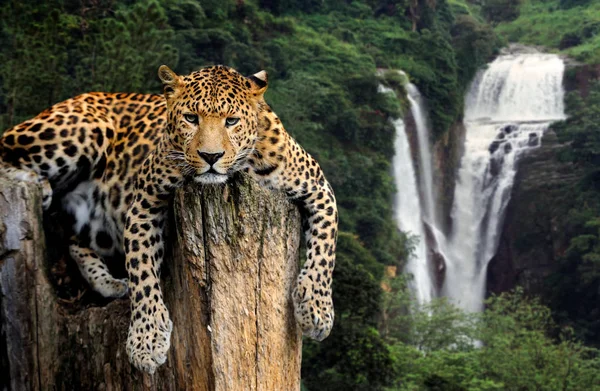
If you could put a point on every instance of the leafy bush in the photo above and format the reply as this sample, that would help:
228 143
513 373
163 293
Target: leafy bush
558 25
566 4
354 356
514 350
475 43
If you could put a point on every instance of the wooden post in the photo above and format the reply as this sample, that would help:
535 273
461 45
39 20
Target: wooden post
227 285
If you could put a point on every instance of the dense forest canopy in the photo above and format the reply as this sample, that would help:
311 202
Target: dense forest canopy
322 58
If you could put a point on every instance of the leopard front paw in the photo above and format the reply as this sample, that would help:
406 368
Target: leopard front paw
149 337
313 308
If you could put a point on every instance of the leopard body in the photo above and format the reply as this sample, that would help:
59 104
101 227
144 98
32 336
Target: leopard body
114 161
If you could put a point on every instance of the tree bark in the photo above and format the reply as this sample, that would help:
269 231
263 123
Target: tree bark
227 285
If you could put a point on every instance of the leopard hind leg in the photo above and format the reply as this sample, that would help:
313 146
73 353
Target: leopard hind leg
95 272
88 246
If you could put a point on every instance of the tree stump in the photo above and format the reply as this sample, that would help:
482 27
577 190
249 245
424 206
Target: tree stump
227 286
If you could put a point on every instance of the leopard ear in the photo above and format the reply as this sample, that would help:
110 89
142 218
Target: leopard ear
259 82
171 81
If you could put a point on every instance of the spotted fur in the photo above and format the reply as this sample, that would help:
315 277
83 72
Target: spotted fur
114 161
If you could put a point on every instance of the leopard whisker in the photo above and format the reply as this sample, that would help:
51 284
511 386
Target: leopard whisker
175 155
241 160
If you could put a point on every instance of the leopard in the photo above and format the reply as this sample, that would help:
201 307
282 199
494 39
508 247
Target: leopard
113 161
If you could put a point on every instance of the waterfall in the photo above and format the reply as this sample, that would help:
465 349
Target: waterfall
408 211
508 108
417 108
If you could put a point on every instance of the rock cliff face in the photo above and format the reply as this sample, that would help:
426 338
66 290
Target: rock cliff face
447 152
531 238
579 76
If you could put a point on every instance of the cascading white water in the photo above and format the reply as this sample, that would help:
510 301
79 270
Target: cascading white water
408 214
508 108
407 205
417 108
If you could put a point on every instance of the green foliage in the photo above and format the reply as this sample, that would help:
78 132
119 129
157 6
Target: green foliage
515 352
566 4
357 292
354 356
519 329
573 288
36 36
351 251
475 43
501 10
120 53
56 50
582 127
435 47
570 26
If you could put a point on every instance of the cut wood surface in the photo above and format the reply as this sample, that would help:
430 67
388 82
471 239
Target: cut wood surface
227 286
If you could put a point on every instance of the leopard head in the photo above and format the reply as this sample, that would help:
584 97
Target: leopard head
212 119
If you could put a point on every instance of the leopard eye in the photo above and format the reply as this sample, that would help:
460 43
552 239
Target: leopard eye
191 118
231 121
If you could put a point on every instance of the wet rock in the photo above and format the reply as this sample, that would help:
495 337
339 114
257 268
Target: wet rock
439 267
533 140
494 146
508 129
532 240
437 262
496 166
507 148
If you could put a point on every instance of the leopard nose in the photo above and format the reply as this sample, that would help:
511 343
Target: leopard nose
211 158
